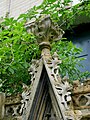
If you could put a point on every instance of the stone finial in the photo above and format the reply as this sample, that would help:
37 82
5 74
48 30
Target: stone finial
45 30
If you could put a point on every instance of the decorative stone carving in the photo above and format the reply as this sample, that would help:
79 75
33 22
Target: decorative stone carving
53 65
81 98
13 110
18 106
10 100
81 87
73 115
25 102
45 29
81 101
12 105
88 99
25 99
81 95
63 90
33 69
61 86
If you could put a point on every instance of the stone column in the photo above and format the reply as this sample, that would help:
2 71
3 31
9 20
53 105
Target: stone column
2 103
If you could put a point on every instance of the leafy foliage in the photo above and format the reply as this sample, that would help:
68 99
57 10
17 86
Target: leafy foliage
69 53
18 48
61 12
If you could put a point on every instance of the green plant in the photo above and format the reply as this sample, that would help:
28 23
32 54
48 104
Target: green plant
68 53
61 12
18 48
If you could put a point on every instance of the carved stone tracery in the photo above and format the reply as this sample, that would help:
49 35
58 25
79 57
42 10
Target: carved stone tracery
63 90
12 105
25 99
19 105
62 86
46 31
27 90
33 70
53 65
81 95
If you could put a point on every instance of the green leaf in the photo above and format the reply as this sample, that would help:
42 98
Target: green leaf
11 70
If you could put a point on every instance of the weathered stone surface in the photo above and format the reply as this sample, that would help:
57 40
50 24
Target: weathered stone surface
81 87
45 30
2 103
81 98
10 100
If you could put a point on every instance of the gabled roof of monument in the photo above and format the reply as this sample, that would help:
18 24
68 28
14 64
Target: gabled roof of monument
50 94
